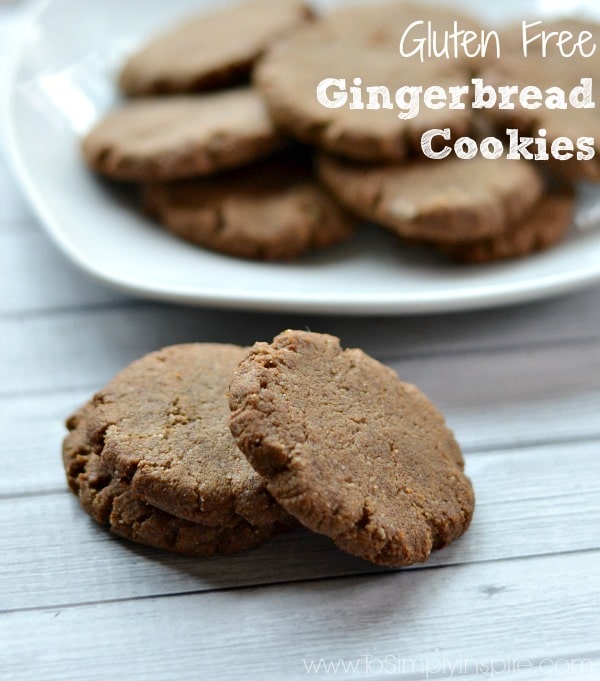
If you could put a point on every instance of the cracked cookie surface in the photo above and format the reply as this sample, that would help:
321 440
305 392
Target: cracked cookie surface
161 428
111 502
350 450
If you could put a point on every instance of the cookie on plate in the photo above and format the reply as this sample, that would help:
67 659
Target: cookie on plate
161 428
551 71
111 502
350 450
272 211
176 137
360 43
543 228
212 50
445 201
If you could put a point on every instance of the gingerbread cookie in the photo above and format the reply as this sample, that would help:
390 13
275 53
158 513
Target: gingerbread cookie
548 123
350 450
543 228
442 201
212 50
161 427
177 137
358 47
111 502
272 211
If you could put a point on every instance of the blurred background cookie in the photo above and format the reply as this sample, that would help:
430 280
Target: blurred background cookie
359 46
275 210
546 225
212 50
176 137
552 70
445 201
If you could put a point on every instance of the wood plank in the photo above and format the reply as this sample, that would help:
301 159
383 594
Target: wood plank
33 429
561 319
51 281
526 422
85 351
523 609
531 512
91 345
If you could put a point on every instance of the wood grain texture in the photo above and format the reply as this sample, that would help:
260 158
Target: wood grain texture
96 343
49 273
267 633
492 401
533 515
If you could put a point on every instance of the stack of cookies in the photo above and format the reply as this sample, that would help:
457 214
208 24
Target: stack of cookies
549 70
475 210
223 118
310 434
212 166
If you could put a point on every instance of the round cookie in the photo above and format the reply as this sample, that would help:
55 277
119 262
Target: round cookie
543 228
550 71
111 502
212 50
274 211
177 137
350 450
161 427
360 43
441 201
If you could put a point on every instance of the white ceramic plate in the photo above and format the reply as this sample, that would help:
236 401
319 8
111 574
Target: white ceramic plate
62 81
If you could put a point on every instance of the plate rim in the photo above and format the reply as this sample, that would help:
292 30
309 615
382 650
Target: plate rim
457 300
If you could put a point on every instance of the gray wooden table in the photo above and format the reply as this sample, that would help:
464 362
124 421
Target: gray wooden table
516 598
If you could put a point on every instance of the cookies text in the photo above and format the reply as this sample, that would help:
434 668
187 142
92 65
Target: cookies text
515 147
